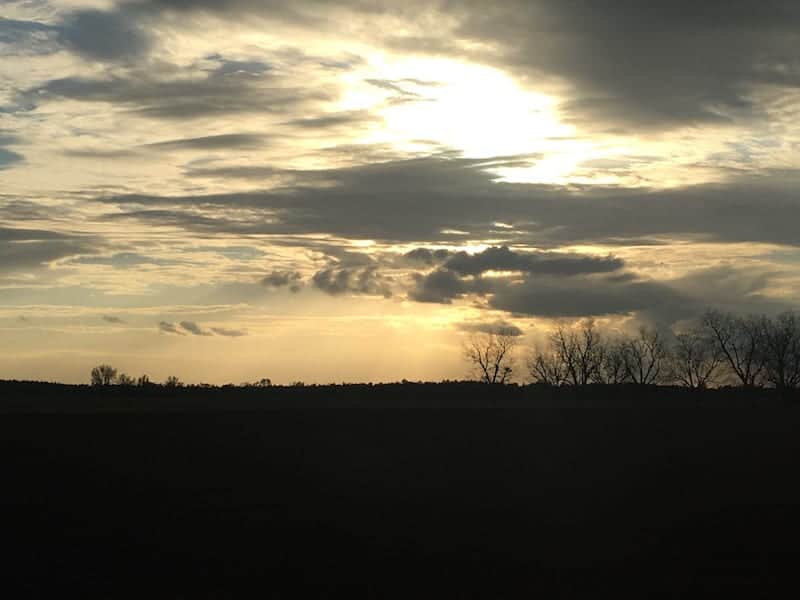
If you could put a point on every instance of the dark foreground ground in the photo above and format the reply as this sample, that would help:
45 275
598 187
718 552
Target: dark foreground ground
441 491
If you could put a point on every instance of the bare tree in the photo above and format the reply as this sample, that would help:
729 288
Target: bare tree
612 369
143 381
547 368
491 355
103 375
740 341
173 382
645 357
580 351
123 379
781 350
695 359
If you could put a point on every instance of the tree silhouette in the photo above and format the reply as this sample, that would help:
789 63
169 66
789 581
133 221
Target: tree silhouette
173 382
547 367
491 355
781 350
695 359
611 370
123 379
740 340
645 357
103 375
580 351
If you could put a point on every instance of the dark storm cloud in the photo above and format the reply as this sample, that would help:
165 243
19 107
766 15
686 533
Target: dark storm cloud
105 36
420 199
170 94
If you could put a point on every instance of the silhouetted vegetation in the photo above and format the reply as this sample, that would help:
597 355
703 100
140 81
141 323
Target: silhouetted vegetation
491 355
566 492
721 349
103 375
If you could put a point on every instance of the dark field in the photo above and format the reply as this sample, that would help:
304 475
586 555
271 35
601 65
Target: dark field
397 491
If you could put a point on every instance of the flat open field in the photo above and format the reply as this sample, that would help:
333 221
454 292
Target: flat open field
504 493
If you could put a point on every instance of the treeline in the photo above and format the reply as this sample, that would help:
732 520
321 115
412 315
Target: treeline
106 375
720 349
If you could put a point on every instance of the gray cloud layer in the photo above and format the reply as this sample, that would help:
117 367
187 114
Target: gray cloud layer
386 201
106 36
229 88
628 63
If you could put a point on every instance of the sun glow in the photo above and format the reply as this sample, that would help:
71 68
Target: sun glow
476 110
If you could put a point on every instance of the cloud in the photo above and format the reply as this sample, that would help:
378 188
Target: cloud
442 286
27 38
337 281
426 256
124 260
225 332
112 319
22 249
673 65
166 327
278 279
590 296
194 328
424 200
499 327
9 158
551 263
106 36
169 93
349 119
550 285
212 142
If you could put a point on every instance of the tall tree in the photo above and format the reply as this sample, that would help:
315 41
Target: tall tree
580 351
781 350
491 355
646 357
740 340
695 359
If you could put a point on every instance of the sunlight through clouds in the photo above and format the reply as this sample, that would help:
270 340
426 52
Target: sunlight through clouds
425 163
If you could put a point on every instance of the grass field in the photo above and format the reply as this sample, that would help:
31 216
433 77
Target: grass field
316 492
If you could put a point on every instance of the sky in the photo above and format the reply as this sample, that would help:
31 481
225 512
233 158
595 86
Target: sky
230 190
